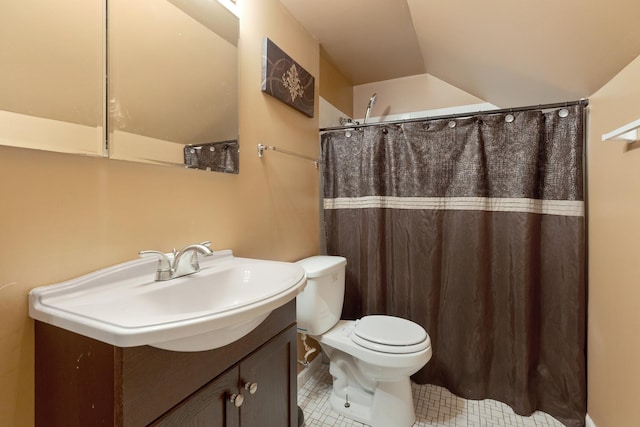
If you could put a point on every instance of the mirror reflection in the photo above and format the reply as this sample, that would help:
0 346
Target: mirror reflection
51 90
173 71
220 156
173 77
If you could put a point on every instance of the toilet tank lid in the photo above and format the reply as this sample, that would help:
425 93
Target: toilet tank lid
319 265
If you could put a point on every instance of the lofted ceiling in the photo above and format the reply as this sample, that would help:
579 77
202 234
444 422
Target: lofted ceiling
506 52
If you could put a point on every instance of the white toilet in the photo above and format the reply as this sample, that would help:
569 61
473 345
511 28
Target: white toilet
371 359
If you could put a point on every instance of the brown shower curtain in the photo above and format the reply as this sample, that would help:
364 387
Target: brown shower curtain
474 228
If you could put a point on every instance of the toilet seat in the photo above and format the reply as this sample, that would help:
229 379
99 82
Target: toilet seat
388 334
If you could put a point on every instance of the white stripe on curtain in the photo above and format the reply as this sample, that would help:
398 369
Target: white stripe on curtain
534 206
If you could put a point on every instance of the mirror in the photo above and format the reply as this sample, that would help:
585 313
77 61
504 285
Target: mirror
51 90
173 81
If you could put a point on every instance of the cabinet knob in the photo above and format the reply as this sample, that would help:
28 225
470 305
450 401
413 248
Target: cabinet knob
251 387
236 399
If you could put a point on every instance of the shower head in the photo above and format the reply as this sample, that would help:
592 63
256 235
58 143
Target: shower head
372 101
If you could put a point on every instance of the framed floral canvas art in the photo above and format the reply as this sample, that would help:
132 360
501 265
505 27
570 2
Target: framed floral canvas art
284 79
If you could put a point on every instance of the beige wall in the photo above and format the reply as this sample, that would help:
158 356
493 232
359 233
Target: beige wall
614 245
334 86
64 215
409 94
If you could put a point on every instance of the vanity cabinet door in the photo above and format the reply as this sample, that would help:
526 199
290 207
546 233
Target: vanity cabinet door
266 382
271 369
209 406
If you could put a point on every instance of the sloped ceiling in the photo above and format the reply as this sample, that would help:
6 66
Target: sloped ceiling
507 52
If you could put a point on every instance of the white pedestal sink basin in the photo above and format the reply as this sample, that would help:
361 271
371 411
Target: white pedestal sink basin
124 306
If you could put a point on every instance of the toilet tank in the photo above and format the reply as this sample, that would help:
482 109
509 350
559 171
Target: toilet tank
319 305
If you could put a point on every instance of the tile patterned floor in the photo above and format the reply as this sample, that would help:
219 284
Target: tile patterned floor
435 407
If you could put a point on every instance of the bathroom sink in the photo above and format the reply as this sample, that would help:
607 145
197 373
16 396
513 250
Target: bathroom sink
124 306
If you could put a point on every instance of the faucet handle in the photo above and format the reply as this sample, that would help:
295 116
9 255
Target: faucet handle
206 243
164 264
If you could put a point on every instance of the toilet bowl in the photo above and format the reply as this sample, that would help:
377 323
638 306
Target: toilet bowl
372 386
371 359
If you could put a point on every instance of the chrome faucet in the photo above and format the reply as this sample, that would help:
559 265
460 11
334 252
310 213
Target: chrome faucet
184 262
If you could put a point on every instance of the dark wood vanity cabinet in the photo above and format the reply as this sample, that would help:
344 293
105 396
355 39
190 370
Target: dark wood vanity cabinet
84 382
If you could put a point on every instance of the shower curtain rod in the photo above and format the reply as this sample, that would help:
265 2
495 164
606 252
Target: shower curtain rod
584 102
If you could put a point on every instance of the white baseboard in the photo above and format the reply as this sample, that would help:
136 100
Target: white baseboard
588 422
308 372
